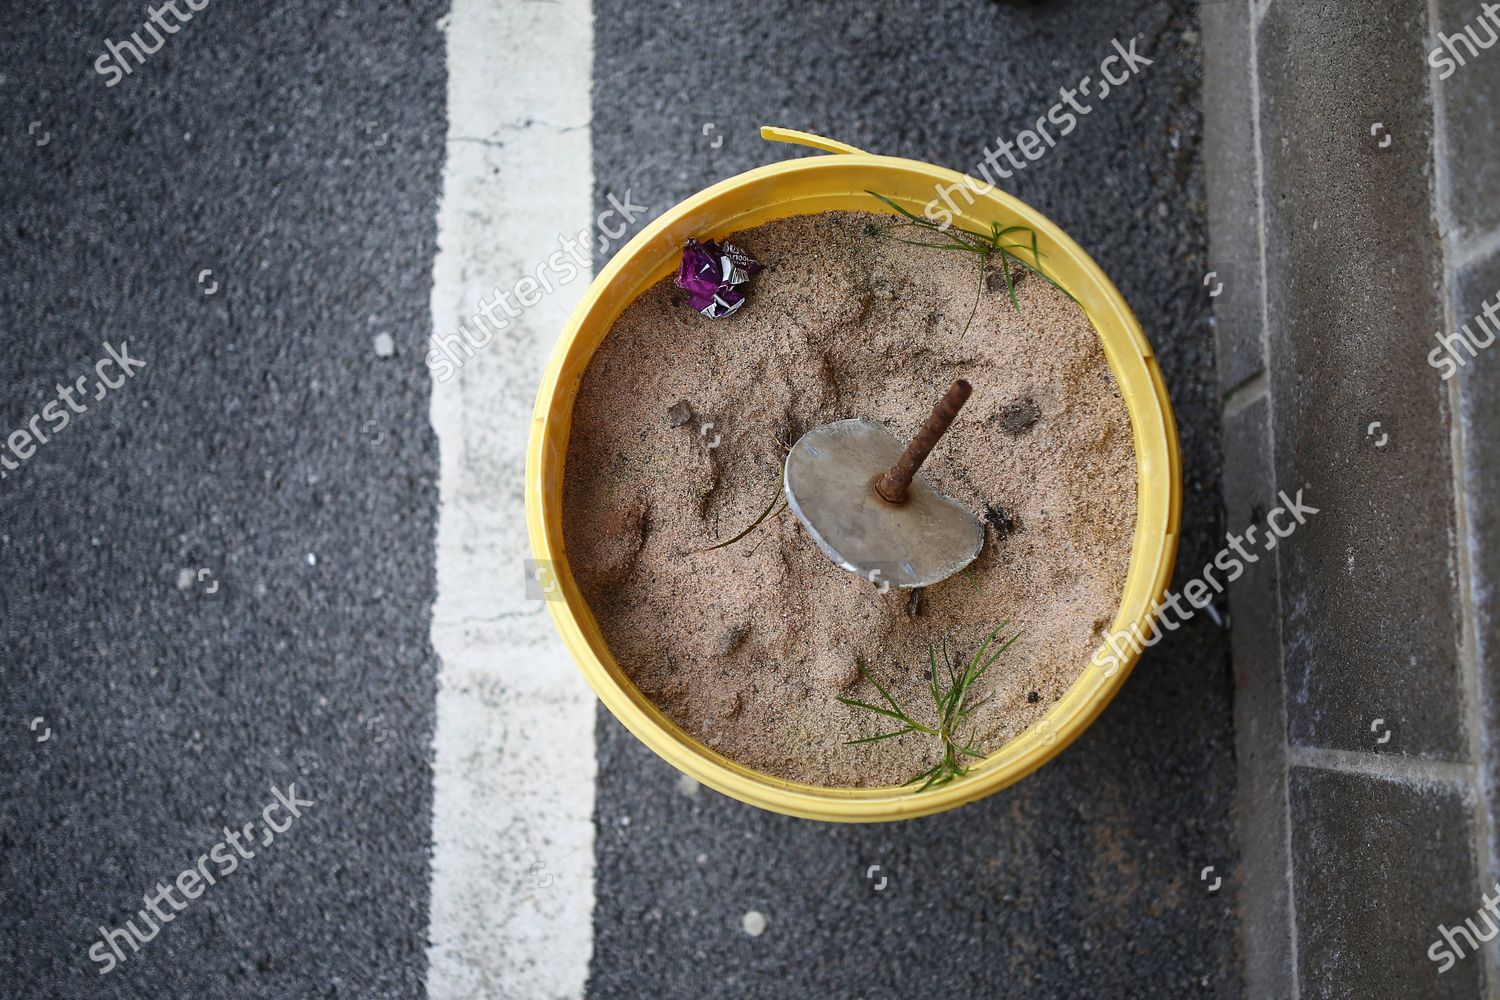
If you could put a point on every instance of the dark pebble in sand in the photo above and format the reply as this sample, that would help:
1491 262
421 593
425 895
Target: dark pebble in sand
1001 520
1019 416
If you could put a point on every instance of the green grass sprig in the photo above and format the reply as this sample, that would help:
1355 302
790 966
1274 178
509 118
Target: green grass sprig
950 687
985 245
777 504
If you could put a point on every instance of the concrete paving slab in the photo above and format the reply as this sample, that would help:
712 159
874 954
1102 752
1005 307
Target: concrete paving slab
1379 868
1369 616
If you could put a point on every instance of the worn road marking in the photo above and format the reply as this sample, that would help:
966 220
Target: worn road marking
513 784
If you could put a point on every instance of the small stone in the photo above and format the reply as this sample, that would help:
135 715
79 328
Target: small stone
754 923
702 859
185 578
1001 520
1019 416
687 786
1033 698
732 640
312 559
385 345
679 413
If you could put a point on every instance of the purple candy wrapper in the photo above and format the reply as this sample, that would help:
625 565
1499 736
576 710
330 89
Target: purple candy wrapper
714 276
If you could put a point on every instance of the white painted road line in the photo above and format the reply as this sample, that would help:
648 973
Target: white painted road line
513 784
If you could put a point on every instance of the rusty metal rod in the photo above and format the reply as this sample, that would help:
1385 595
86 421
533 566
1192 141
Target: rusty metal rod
893 486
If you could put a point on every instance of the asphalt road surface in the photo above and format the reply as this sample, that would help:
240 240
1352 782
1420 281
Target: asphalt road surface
220 575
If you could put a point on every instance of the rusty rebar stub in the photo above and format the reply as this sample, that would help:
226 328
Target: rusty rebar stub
893 486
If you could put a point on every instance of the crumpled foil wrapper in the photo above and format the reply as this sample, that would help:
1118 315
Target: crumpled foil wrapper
714 276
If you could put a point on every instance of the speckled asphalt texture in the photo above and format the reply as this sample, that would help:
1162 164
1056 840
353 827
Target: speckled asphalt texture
294 150
1084 879
263 429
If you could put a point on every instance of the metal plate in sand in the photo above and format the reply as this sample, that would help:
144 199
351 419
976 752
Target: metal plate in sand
830 476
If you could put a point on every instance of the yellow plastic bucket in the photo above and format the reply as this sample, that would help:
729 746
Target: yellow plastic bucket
822 184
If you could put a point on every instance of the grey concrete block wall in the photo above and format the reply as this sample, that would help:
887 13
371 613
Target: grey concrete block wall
1367 652
1262 820
1353 287
1372 894
1229 159
1468 181
1478 387
1471 94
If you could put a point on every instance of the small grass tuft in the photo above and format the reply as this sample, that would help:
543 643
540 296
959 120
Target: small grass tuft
950 687
983 245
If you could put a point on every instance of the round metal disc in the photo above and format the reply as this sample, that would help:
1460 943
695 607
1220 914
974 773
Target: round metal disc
830 486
